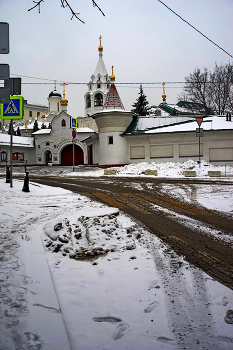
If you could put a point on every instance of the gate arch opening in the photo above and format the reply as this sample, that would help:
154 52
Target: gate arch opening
67 155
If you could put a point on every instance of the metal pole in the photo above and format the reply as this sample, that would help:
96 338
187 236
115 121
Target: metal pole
199 148
11 129
73 154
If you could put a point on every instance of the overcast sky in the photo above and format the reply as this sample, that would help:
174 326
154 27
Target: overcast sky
143 40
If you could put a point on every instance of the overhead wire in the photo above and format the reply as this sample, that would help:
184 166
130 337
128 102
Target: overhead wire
195 29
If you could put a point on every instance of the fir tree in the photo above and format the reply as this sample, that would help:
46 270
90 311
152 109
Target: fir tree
35 126
141 105
43 126
18 132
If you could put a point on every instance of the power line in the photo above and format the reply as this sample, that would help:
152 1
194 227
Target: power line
195 29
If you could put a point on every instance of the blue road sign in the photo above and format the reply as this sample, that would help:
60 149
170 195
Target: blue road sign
73 122
13 109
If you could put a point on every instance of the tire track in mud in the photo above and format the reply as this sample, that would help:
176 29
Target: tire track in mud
150 208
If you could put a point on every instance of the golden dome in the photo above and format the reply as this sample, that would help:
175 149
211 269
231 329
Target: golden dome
112 78
100 48
64 102
164 95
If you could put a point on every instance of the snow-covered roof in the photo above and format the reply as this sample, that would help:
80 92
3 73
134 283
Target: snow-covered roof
18 141
160 124
84 130
42 131
31 125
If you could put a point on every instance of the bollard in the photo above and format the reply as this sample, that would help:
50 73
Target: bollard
8 175
26 183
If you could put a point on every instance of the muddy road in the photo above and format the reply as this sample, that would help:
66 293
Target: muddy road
165 216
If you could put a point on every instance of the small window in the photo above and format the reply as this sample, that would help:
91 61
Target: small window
30 114
3 156
58 106
38 114
98 86
21 156
63 123
47 144
110 140
88 101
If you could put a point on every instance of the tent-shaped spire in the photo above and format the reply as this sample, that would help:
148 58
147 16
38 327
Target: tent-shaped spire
100 68
113 100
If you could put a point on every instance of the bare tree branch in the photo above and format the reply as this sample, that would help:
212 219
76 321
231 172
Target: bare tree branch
64 4
37 4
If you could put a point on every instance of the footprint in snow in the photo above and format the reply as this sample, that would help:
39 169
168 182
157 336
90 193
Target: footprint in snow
151 307
122 326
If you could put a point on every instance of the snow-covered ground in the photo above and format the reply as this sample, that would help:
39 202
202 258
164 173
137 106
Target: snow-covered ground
76 274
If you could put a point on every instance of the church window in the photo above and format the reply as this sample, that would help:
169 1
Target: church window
98 100
90 86
38 114
98 86
88 101
58 106
63 123
3 156
30 114
110 140
108 85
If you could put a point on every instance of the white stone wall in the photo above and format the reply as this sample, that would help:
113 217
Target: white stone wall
216 147
115 153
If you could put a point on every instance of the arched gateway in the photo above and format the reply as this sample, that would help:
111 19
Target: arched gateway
67 155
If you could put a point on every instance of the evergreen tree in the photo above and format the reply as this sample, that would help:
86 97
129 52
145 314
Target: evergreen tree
43 126
18 132
50 126
35 126
141 105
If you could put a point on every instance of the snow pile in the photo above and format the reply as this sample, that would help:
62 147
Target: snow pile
88 237
169 169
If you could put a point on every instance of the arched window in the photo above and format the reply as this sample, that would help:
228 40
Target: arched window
88 101
98 100
3 156
63 123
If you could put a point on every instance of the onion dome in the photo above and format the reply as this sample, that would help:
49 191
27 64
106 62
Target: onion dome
54 93
100 48
64 101
112 78
164 95
43 114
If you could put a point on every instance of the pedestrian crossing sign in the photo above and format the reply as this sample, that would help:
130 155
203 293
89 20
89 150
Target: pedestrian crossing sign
13 109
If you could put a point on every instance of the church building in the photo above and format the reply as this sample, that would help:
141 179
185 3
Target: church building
107 135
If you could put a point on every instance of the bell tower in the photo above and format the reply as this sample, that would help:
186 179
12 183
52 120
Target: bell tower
98 86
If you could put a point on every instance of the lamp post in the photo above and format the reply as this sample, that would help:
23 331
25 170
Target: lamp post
74 134
199 133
